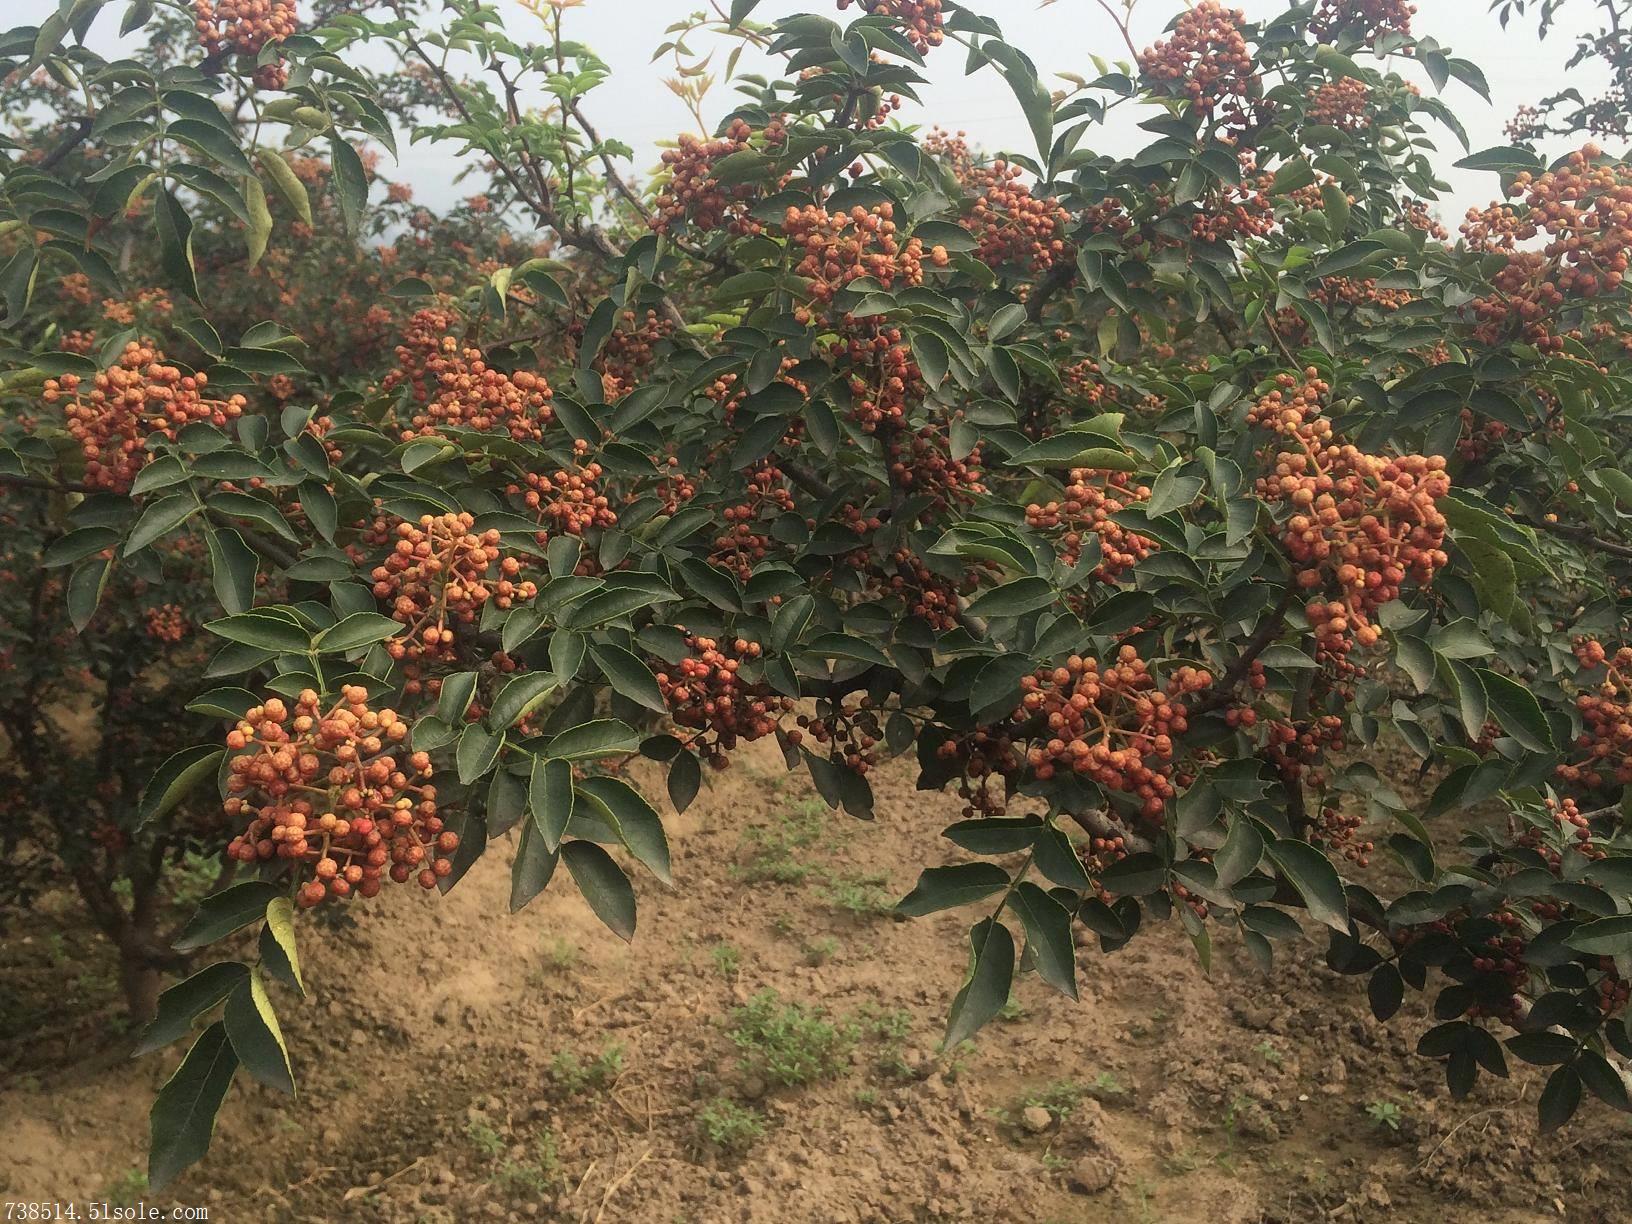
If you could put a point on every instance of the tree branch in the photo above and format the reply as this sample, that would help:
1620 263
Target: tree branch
1578 535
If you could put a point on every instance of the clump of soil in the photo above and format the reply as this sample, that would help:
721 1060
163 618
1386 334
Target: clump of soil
767 1050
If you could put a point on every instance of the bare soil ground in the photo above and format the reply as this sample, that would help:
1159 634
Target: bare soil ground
459 1064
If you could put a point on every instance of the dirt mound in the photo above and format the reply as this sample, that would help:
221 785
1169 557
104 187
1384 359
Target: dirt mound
767 1051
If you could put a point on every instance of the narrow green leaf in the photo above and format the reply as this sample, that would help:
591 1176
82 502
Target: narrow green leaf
182 1120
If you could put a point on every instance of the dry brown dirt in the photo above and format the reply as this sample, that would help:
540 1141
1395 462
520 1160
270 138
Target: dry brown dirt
437 1058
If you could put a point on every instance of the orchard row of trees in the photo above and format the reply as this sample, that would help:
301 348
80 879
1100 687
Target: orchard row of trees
1151 503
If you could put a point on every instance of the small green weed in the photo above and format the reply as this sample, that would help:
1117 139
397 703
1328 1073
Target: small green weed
730 1127
789 1043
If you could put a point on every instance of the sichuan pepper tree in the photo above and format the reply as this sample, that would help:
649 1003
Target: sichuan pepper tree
1144 501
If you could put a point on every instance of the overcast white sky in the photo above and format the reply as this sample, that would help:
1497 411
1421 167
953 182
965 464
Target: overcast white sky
637 108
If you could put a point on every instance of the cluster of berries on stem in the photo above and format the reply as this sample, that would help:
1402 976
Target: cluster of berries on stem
113 414
923 19
1605 742
1359 525
1113 723
436 578
1013 226
336 793
694 197
705 692
451 385
1207 61
1370 19
1090 503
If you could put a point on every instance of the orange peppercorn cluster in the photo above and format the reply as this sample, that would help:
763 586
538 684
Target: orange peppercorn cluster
695 198
335 792
113 415
1368 18
842 247
745 543
922 19
242 27
630 349
1357 293
1344 105
570 501
168 623
1112 723
1604 746
922 463
851 734
705 693
1583 210
1360 523
884 379
451 385
436 579
1092 499
1207 61
926 594
1013 226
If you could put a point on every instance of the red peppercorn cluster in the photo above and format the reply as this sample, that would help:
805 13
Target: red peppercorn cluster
1112 723
926 594
242 27
705 692
1340 831
838 248
1344 104
451 385
327 791
1207 61
1013 226
438 576
570 501
745 543
1604 746
1479 437
168 623
884 379
1569 827
693 197
629 350
988 760
1359 293
1091 500
1583 210
851 733
112 416
922 463
923 19
1370 19
1359 523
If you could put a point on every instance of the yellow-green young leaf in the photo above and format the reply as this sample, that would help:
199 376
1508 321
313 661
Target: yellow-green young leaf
252 1027
260 219
279 954
182 1120
287 182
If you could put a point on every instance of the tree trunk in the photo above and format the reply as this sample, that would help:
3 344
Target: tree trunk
141 982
